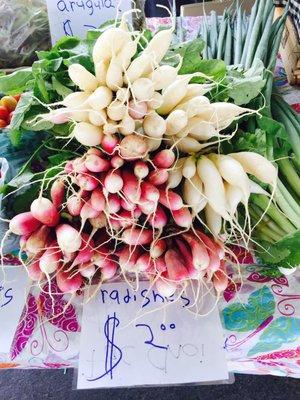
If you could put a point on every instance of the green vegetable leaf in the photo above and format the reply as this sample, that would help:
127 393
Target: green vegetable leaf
61 89
15 83
15 137
19 113
251 141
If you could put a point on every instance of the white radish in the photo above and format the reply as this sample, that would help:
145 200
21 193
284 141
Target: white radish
76 99
137 110
114 76
188 145
163 76
122 94
116 110
101 71
82 78
214 190
176 121
173 95
201 130
88 134
127 125
189 167
153 143
101 98
213 220
154 125
175 174
156 101
193 195
110 127
159 45
126 53
68 238
138 67
132 147
193 106
196 89
110 43
256 188
257 165
97 118
142 89
234 196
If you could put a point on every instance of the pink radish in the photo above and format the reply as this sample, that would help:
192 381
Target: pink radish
95 151
84 255
170 199
37 241
74 205
220 280
98 222
141 169
109 143
158 176
149 192
186 254
88 182
165 288
117 162
133 147
158 248
87 270
147 207
128 258
200 255
67 282
145 263
213 251
114 222
95 163
137 236
44 210
69 167
182 217
128 205
137 110
164 159
159 219
79 166
160 264
24 224
51 259
108 270
57 193
113 204
88 211
35 272
97 200
175 266
131 188
126 218
113 182
68 238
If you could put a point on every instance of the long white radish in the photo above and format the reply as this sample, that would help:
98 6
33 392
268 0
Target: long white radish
101 71
201 130
154 125
175 174
110 43
114 76
196 89
214 190
76 99
159 45
257 165
97 118
82 78
189 167
176 121
88 134
156 101
116 111
101 98
163 76
225 113
140 66
173 95
188 145
232 172
234 196
125 55
127 125
257 189
153 143
213 220
142 89
193 106
193 194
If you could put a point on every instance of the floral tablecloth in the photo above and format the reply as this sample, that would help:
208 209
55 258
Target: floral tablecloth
260 314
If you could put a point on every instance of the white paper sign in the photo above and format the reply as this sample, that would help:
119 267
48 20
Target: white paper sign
123 343
13 282
70 18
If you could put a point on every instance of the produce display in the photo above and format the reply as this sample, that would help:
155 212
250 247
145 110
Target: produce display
155 160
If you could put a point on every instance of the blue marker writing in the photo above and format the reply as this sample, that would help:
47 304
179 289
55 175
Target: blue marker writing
150 341
7 296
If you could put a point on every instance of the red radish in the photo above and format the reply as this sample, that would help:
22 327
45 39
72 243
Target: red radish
164 159
45 211
165 288
149 192
94 150
109 270
182 217
159 219
67 282
158 177
126 218
57 193
137 213
109 143
88 211
69 167
147 207
128 205
113 182
137 236
51 259
24 224
74 205
79 166
137 110
175 266
158 248
114 222
200 255
95 163
141 169
220 280
35 272
113 204
68 257
87 270
98 222
133 147
128 258
84 255
186 254
213 253
170 199
98 200
144 263
100 257
131 188
88 182
37 241
117 162
68 238
160 264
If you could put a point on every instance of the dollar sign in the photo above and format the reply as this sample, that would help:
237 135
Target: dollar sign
111 348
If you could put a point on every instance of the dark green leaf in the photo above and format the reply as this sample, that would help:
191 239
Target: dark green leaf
19 113
15 137
66 42
15 83
61 89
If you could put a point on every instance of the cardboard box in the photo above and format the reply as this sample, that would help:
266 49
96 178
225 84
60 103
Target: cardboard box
205 7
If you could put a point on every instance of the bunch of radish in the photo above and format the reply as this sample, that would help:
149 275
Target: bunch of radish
171 262
218 183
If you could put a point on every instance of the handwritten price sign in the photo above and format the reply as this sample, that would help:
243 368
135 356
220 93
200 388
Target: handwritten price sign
131 338
12 299
70 18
